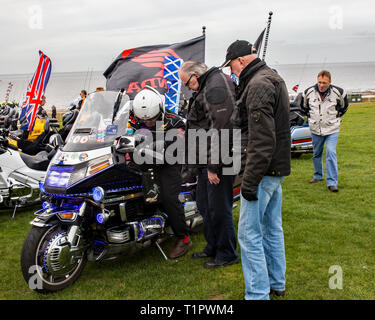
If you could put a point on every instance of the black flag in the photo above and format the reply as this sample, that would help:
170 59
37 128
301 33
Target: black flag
152 65
258 42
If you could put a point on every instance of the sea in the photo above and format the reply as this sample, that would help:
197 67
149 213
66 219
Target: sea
64 87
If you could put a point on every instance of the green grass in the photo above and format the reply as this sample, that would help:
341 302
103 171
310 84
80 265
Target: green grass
321 229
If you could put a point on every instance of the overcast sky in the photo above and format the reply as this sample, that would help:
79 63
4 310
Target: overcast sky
80 34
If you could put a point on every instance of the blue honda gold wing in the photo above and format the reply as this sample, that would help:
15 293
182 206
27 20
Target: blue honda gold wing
93 205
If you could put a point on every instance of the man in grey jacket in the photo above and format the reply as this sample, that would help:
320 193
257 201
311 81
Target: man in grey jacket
262 98
325 104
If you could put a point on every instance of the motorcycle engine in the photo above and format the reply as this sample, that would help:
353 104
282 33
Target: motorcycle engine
136 230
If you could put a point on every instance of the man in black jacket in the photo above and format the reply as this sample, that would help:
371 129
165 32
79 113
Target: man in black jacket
262 96
210 108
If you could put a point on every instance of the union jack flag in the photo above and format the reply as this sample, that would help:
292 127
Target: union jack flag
295 88
35 91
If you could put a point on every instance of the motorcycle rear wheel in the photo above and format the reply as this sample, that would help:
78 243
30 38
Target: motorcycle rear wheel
33 265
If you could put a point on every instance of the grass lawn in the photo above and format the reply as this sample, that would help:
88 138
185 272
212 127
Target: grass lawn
322 229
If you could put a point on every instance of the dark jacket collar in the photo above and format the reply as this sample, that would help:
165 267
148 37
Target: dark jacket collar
248 73
203 78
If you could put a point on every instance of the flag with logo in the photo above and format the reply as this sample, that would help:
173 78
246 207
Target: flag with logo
156 66
35 92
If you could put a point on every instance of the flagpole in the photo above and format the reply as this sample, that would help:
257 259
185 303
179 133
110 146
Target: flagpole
267 34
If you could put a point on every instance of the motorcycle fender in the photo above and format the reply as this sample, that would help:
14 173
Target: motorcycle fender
52 218
44 221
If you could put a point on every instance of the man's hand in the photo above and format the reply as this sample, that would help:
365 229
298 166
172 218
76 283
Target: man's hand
213 178
249 195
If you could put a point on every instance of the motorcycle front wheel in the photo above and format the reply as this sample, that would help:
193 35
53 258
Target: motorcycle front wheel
46 264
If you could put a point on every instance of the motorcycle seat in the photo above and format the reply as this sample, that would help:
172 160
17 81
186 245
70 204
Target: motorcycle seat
38 162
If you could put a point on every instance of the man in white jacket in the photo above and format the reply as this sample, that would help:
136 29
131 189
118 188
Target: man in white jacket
325 104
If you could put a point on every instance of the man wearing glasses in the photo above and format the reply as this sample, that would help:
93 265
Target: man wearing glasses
211 107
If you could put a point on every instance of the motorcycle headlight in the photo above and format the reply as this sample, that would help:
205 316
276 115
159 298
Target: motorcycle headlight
64 176
59 176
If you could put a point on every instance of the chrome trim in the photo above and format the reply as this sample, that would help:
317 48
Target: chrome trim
40 225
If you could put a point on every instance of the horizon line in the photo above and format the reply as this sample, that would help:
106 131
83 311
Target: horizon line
273 64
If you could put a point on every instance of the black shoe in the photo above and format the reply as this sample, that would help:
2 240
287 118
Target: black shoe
200 255
277 293
333 189
216 263
315 180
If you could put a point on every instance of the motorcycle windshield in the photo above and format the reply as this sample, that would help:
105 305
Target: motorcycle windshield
93 128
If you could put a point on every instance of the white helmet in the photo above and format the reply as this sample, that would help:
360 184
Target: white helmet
147 104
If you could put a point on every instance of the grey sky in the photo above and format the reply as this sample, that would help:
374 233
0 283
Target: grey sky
83 34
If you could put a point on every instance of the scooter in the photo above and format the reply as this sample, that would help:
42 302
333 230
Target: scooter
93 207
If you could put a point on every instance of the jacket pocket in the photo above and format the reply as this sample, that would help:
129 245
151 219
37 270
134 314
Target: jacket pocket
314 126
333 122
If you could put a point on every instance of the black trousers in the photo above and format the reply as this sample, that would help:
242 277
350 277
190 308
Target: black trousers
215 204
169 180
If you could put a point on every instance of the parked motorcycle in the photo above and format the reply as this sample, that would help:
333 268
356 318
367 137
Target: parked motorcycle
94 208
21 174
301 140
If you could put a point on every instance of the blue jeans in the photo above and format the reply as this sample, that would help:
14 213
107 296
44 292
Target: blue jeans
331 158
261 238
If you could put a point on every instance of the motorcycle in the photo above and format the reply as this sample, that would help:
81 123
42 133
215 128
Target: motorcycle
20 174
301 140
94 208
